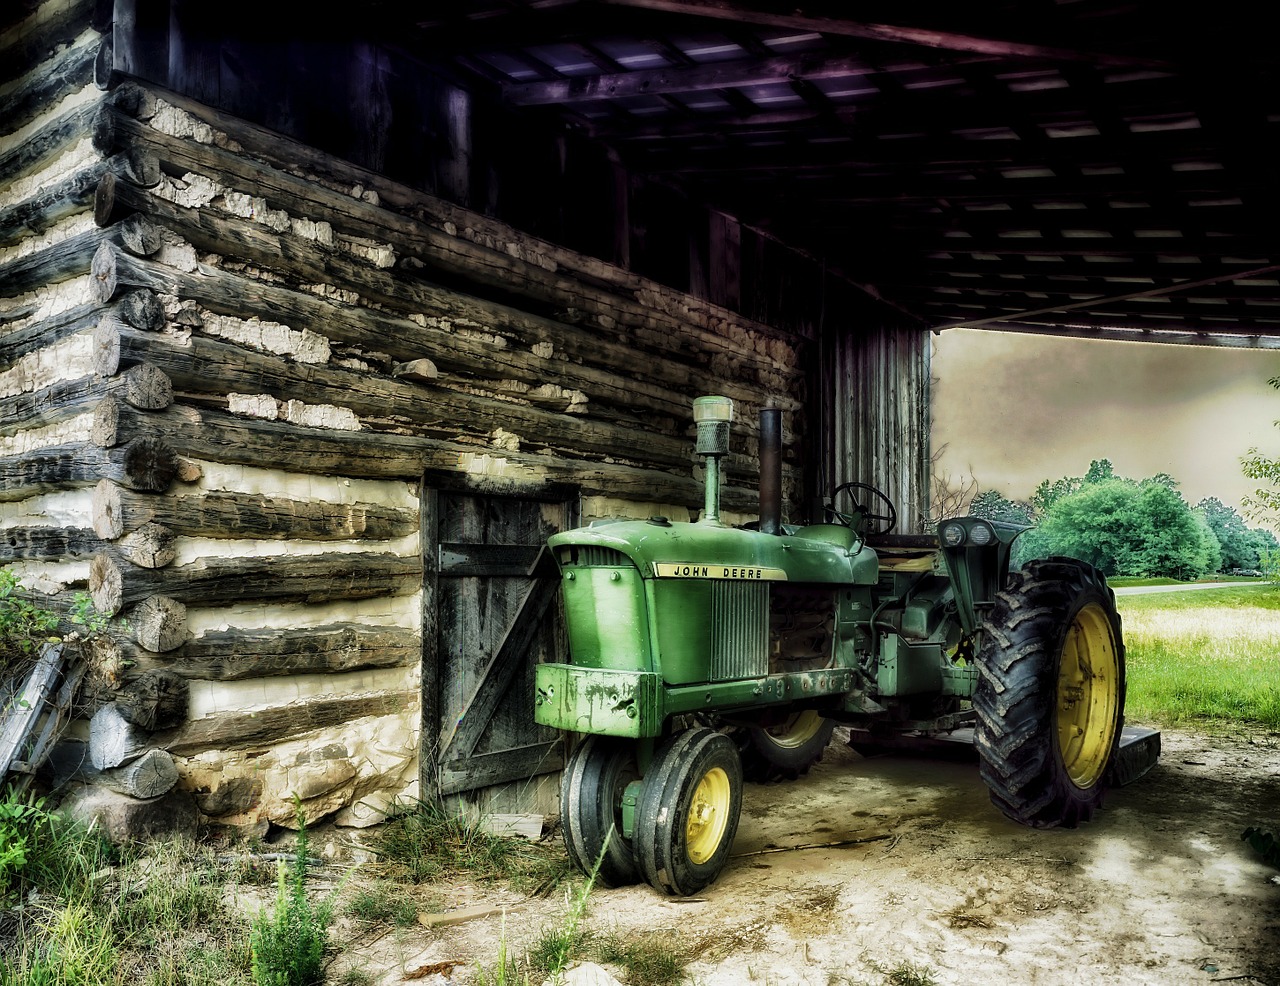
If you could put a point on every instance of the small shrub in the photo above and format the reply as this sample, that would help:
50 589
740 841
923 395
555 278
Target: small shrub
288 945
18 821
24 626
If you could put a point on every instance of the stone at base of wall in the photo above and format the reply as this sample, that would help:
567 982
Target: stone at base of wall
123 819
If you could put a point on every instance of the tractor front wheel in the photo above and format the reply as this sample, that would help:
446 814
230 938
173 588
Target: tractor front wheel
785 750
591 790
688 812
1050 693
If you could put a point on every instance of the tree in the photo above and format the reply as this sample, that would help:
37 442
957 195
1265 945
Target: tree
1239 546
1264 504
991 505
1126 528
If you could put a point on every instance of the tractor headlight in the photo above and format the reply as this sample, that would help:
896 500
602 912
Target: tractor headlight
952 535
980 534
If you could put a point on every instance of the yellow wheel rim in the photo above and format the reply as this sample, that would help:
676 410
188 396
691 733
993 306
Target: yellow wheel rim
796 730
708 815
1088 696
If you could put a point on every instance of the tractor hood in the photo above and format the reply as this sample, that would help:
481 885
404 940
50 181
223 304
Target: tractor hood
661 549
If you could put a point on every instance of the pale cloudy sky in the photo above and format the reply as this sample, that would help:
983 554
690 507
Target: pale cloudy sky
1014 409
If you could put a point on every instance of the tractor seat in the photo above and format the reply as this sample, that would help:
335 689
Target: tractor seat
919 541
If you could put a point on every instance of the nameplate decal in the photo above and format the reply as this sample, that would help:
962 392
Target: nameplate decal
740 573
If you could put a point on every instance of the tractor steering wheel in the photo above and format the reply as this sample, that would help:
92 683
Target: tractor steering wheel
886 520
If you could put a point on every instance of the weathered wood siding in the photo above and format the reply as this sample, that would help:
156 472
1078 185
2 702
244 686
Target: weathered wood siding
875 417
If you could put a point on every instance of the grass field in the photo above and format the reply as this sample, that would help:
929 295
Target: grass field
1208 658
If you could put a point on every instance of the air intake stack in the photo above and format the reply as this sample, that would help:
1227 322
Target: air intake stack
712 415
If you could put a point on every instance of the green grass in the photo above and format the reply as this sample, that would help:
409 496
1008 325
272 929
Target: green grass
1125 581
93 917
646 958
1209 658
429 844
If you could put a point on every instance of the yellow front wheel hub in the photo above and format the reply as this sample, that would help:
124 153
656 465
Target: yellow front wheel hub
708 815
1088 696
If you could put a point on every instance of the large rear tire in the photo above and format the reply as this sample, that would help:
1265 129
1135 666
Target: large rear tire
785 750
1050 693
591 790
689 811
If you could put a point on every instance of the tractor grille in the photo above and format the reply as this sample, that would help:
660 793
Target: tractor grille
739 630
592 556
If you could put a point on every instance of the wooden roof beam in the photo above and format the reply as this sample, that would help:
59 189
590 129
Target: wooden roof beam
943 40
673 81
1094 302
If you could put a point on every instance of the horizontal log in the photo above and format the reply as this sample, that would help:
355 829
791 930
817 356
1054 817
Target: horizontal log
67 71
579 359
74 257
151 545
155 699
230 655
217 436
218 581
40 32
48 543
59 262
616 352
239 730
71 195
117 422
48 142
159 624
151 775
574 281
237 654
205 365
18 342
141 387
144 464
114 740
117 510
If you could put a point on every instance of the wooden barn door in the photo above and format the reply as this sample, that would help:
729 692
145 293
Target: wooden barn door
490 613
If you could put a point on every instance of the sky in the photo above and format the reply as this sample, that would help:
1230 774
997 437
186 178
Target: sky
1013 409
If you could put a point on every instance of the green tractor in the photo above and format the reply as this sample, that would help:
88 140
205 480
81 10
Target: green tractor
702 654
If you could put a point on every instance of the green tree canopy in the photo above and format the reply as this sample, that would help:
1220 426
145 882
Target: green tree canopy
991 505
1240 546
1126 528
1264 503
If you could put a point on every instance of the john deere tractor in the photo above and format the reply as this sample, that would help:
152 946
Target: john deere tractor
700 654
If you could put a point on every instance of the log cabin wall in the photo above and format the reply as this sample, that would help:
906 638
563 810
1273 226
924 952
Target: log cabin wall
242 370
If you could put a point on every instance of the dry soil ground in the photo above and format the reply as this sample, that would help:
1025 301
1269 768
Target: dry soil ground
1159 889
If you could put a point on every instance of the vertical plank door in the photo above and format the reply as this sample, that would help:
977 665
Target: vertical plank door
496 614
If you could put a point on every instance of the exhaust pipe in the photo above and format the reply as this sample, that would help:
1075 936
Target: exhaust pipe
771 470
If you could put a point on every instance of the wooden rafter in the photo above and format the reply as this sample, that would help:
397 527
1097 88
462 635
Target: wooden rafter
944 40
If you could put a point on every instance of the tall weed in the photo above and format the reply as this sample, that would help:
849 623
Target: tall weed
288 944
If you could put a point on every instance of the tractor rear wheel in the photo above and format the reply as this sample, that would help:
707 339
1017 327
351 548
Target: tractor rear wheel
591 789
1050 693
785 750
688 812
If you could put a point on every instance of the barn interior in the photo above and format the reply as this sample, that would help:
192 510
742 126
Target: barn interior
1085 168
387 296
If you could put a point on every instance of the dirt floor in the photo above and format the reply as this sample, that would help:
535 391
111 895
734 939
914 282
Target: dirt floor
1160 889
